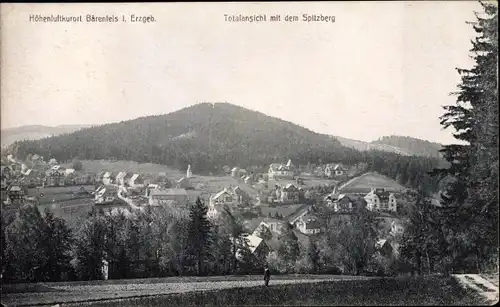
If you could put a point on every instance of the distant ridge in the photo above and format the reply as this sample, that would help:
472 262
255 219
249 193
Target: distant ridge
35 132
403 145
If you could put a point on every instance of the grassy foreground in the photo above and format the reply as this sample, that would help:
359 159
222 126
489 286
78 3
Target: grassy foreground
430 290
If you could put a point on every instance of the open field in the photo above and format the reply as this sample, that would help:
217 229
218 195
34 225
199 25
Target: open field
52 293
365 182
310 290
57 194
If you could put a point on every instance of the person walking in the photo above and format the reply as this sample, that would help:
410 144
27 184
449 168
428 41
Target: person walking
267 275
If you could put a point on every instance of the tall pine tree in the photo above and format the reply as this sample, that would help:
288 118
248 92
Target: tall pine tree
473 195
199 235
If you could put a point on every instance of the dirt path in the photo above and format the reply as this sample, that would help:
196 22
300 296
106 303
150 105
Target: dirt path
68 293
484 287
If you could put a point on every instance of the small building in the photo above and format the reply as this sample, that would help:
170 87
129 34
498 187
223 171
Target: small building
335 170
257 246
136 181
235 172
69 171
53 161
108 178
17 192
282 171
381 200
308 224
396 228
105 194
289 194
162 197
274 225
122 178
54 179
340 203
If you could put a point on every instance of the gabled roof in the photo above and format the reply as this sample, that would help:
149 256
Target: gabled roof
225 191
253 242
182 180
134 177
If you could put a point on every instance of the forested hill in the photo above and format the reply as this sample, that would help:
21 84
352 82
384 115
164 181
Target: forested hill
207 136
411 145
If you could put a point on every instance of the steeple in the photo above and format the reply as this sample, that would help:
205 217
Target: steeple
188 172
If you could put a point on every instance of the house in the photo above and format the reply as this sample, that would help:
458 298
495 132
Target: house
247 180
99 176
341 203
289 194
235 172
299 181
221 199
136 181
381 200
5 176
163 197
37 159
257 246
396 228
122 178
335 170
183 183
281 171
108 178
32 178
106 194
53 161
17 192
55 169
54 177
308 224
274 225
69 171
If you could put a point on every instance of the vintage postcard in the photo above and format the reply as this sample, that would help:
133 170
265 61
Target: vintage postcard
257 154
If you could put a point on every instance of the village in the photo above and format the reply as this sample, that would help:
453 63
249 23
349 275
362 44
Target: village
266 202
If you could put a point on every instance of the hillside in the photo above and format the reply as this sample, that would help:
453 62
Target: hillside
414 146
402 145
35 132
207 136
368 181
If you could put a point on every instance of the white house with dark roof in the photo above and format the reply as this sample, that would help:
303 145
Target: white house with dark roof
136 181
274 225
381 200
257 246
335 170
108 178
281 171
308 224
396 228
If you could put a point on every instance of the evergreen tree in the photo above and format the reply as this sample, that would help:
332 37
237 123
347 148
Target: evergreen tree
91 246
199 234
472 196
57 240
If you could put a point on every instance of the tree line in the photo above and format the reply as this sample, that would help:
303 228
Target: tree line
462 235
157 242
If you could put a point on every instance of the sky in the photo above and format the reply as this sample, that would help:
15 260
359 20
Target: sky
382 68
